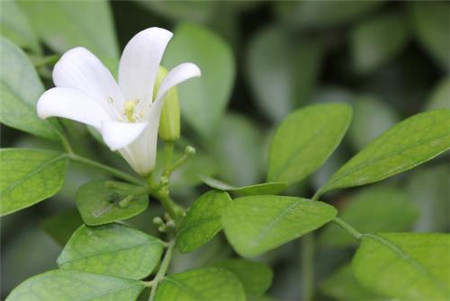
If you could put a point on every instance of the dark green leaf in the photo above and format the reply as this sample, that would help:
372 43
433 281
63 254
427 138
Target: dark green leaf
201 284
256 224
114 250
61 227
405 266
64 285
29 176
305 139
406 145
102 202
202 221
255 189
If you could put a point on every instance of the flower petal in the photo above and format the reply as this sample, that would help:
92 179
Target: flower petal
72 104
140 62
80 69
118 134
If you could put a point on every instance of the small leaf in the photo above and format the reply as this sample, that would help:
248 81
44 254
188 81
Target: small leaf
114 250
373 210
20 88
377 41
29 176
256 277
201 284
305 139
65 285
255 189
411 142
256 224
203 100
202 221
61 227
102 202
405 265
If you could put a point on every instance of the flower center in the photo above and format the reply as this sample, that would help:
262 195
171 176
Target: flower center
129 110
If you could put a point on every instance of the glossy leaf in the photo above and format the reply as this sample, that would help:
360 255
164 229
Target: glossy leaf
114 250
202 221
257 224
406 145
64 285
102 202
377 41
305 140
66 24
29 176
405 266
255 189
61 227
201 284
256 277
377 209
203 100
20 88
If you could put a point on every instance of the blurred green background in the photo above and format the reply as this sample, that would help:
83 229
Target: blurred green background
260 61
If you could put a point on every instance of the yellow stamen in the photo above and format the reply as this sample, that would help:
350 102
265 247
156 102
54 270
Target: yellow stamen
129 110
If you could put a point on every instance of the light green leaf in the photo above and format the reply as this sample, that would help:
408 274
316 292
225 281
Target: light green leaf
377 209
63 285
405 265
256 224
255 189
102 202
406 145
15 26
29 176
202 221
66 24
440 96
342 285
192 11
201 284
377 41
256 277
305 139
371 118
282 71
61 227
430 20
114 250
203 100
20 88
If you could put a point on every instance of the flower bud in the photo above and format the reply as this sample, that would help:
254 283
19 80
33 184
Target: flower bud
169 124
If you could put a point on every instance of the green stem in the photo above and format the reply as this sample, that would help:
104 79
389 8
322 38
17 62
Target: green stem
162 270
168 153
357 235
162 194
307 267
110 170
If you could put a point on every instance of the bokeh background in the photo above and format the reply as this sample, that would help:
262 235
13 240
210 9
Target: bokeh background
261 60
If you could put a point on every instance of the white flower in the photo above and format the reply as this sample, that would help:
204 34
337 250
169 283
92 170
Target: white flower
125 113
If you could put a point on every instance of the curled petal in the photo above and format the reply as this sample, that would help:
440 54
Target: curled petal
118 134
71 104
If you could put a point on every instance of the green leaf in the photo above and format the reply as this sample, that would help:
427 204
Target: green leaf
20 88
377 209
255 189
66 24
439 98
102 202
256 224
114 250
65 285
430 20
61 227
342 285
203 100
193 11
377 41
282 71
202 221
256 277
201 284
405 265
305 139
371 118
15 27
406 145
29 176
